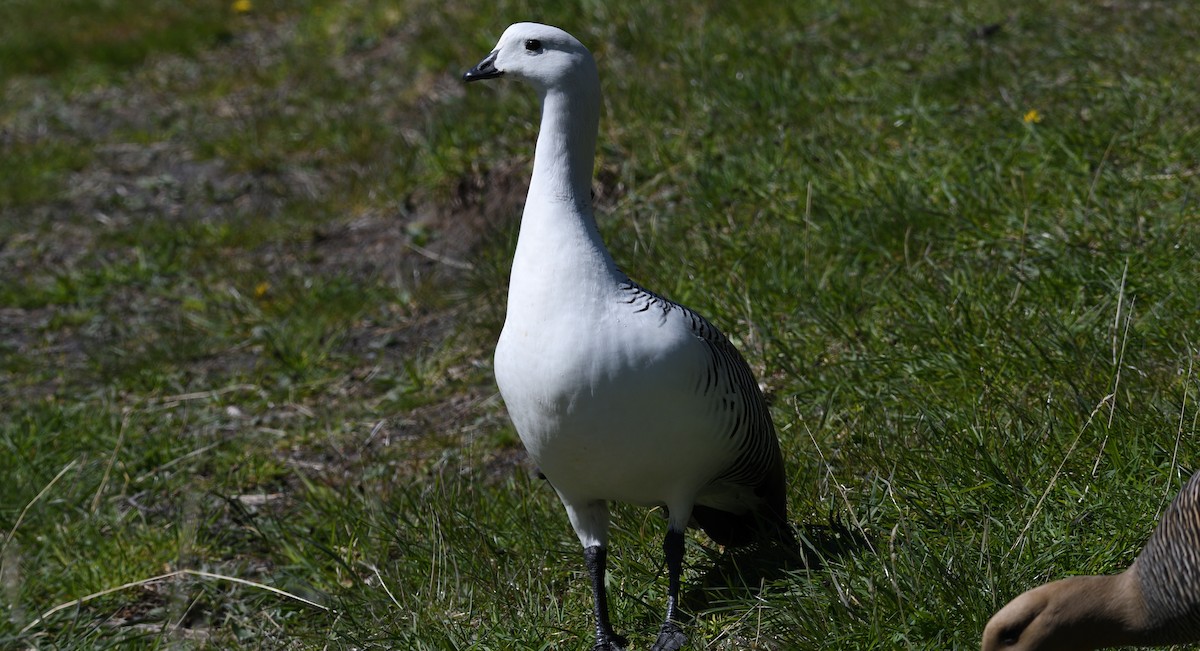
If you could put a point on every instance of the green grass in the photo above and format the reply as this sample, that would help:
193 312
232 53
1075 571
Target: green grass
253 265
83 33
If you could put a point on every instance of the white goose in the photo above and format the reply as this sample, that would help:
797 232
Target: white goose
616 392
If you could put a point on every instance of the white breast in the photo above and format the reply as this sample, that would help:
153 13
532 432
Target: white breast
608 400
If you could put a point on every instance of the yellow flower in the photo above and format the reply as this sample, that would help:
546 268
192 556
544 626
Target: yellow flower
242 6
260 290
1032 116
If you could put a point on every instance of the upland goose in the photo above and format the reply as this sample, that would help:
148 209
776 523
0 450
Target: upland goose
616 392
1155 602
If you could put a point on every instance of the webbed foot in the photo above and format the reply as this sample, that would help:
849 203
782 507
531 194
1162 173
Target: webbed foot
611 642
670 638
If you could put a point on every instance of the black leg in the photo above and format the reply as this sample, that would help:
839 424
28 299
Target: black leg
670 636
596 559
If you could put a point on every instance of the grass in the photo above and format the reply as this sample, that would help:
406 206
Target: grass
254 263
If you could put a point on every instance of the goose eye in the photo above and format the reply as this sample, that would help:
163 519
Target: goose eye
533 45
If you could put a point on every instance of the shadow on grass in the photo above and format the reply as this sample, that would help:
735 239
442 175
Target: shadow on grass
743 572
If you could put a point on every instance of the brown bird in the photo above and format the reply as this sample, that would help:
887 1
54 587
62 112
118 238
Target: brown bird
1155 602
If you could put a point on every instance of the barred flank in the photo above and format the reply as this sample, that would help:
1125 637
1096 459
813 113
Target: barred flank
1168 569
758 464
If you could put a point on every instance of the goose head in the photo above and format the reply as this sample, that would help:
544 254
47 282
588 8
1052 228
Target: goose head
543 56
1023 625
1079 613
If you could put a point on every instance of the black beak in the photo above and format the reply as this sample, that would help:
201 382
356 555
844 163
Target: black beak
485 69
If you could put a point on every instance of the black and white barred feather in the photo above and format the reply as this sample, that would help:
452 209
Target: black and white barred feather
758 464
1168 570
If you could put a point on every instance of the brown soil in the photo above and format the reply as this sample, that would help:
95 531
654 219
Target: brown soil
125 185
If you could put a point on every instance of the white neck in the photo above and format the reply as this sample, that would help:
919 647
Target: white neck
559 247
566 146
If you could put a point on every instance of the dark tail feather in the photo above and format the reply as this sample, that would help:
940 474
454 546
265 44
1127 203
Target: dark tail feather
766 523
738 530
726 528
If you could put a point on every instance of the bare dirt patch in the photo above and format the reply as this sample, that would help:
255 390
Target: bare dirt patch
424 240
141 168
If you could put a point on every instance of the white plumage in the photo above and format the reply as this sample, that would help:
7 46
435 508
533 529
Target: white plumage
617 393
